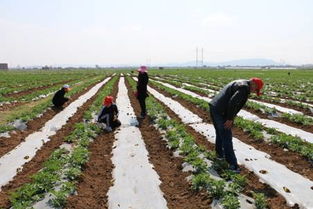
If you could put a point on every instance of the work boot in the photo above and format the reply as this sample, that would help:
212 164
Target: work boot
234 168
142 116
108 129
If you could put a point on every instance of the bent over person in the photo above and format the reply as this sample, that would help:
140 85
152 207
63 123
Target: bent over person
224 108
142 89
58 99
108 114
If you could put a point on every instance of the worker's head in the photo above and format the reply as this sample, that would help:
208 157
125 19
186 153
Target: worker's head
142 69
108 100
256 85
66 88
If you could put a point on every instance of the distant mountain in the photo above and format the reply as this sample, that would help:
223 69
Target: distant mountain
240 62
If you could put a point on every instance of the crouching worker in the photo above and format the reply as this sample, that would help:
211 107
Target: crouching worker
108 114
58 99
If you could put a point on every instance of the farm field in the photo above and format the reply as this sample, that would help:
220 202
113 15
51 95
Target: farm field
63 159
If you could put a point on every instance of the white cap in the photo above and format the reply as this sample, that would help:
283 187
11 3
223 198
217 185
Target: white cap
66 86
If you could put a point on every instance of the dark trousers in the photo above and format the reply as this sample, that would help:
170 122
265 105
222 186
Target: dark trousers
108 120
223 141
142 102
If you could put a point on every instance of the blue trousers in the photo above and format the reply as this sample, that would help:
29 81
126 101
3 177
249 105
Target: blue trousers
223 142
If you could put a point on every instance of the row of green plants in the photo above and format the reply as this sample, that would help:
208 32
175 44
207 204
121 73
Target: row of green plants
184 79
23 82
61 171
290 103
282 89
180 85
200 90
15 81
26 116
295 118
261 133
255 129
190 88
199 102
35 95
264 97
225 189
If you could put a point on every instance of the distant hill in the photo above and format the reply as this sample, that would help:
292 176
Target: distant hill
240 62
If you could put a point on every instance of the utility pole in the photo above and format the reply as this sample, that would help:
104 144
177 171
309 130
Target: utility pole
196 56
201 57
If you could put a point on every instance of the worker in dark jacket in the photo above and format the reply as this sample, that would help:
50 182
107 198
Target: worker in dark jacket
224 108
108 114
142 89
59 99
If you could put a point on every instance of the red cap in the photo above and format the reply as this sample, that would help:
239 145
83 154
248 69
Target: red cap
259 84
108 100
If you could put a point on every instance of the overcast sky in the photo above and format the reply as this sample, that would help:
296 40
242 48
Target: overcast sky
113 32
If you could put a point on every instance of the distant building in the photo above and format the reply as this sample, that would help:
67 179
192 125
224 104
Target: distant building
46 67
4 66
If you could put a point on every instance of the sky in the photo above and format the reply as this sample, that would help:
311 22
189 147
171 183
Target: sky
154 32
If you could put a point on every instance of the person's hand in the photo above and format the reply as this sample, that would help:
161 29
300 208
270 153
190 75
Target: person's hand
228 124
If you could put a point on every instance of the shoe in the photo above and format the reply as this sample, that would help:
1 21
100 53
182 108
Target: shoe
220 158
142 116
234 168
108 129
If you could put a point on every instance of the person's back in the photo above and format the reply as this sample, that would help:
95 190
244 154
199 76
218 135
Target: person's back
231 98
58 99
142 93
142 84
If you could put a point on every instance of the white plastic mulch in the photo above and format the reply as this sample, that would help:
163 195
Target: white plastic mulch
24 152
277 107
136 184
306 136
